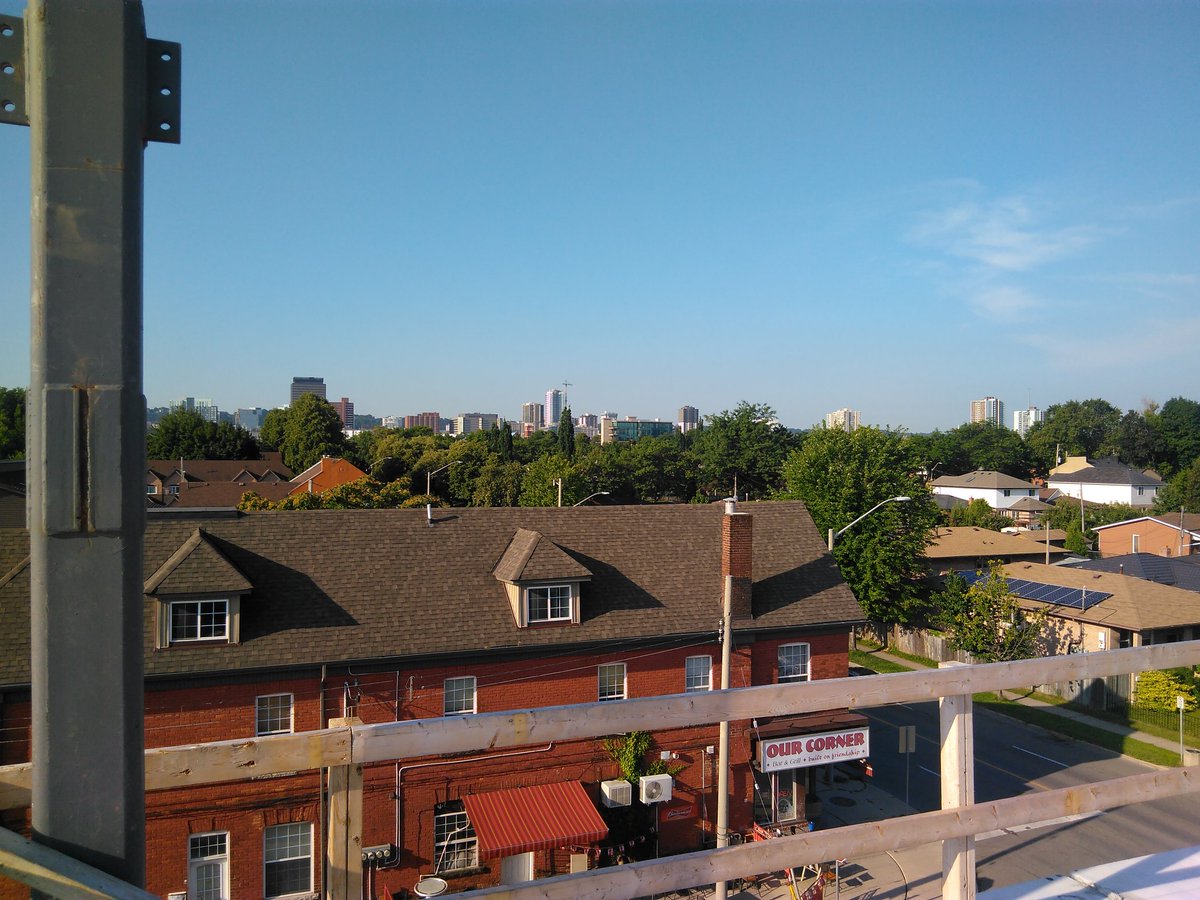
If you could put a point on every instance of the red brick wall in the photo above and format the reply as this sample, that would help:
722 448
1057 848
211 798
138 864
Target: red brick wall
225 710
737 554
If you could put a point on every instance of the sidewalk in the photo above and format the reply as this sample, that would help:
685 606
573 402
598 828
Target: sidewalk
1064 712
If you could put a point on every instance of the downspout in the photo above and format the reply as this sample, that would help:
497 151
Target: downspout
321 815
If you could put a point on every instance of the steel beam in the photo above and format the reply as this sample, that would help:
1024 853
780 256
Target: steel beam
86 101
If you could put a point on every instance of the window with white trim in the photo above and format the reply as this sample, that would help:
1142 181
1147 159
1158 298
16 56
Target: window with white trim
793 662
697 674
455 845
199 620
458 696
208 866
611 681
551 603
1135 543
287 859
152 489
273 714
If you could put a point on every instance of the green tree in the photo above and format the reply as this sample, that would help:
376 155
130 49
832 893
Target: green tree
270 436
313 430
566 435
498 484
1064 514
660 469
1074 428
743 450
1159 690
538 485
1179 423
1076 541
1137 441
990 624
842 475
365 493
185 434
12 423
1181 492
971 447
978 514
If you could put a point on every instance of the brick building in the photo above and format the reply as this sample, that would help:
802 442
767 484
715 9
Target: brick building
266 623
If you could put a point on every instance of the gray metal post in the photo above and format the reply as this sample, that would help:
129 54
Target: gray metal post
89 109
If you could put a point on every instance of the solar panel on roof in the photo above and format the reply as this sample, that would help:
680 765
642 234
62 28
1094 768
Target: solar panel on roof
1051 594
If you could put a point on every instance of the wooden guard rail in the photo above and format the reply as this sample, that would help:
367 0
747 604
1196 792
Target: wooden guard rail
346 749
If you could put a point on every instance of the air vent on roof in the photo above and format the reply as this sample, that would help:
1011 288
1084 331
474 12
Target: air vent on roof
616 793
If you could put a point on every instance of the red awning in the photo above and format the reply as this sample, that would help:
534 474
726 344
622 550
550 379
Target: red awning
543 817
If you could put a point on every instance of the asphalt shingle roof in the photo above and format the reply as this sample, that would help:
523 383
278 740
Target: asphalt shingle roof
355 585
983 478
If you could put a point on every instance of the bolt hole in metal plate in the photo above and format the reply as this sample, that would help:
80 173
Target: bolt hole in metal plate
164 72
12 71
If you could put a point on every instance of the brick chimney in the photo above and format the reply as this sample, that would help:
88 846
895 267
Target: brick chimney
737 555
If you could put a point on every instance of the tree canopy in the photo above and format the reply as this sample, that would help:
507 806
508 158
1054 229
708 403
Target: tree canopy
840 476
742 451
305 431
185 434
12 423
986 620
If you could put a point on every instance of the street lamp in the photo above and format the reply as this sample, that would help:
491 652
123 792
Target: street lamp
834 535
589 497
429 476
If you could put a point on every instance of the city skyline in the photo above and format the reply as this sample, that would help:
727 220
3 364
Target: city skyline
897 176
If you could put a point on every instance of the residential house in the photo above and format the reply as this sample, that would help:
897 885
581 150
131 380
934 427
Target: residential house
999 490
271 622
1173 534
214 483
1096 610
956 549
1105 481
1177 571
327 472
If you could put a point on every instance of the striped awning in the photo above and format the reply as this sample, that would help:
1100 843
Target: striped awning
542 817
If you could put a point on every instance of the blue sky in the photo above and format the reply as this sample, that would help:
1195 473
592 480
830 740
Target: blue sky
896 207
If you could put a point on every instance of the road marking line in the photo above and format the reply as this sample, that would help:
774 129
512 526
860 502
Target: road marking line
1039 756
1033 826
930 771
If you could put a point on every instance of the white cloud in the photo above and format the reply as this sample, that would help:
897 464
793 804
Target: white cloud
1004 304
1165 339
1005 235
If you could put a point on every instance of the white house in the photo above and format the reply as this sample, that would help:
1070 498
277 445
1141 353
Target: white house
999 490
1105 481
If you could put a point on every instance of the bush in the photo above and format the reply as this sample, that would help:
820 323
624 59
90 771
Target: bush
1158 690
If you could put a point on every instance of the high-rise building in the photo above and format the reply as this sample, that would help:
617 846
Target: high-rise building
631 428
989 410
1024 419
345 411
251 419
689 418
307 385
206 409
532 413
844 418
588 424
468 423
393 421
431 420
554 407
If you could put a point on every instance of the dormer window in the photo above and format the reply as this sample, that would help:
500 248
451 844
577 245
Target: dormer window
551 603
199 620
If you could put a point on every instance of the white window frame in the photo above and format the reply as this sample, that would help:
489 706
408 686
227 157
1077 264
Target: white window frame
550 590
197 859
267 713
787 650
1135 543
459 689
697 674
200 613
611 694
152 489
461 847
302 830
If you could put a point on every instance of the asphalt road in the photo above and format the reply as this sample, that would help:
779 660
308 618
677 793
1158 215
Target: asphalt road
1012 758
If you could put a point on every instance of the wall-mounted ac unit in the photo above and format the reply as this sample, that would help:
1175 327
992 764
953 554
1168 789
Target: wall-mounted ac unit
655 788
616 793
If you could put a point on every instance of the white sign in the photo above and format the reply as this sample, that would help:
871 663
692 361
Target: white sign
813 749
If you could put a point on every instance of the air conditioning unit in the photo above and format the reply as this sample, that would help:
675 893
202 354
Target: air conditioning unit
616 793
655 788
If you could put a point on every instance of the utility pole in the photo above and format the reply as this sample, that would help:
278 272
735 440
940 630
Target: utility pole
94 91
